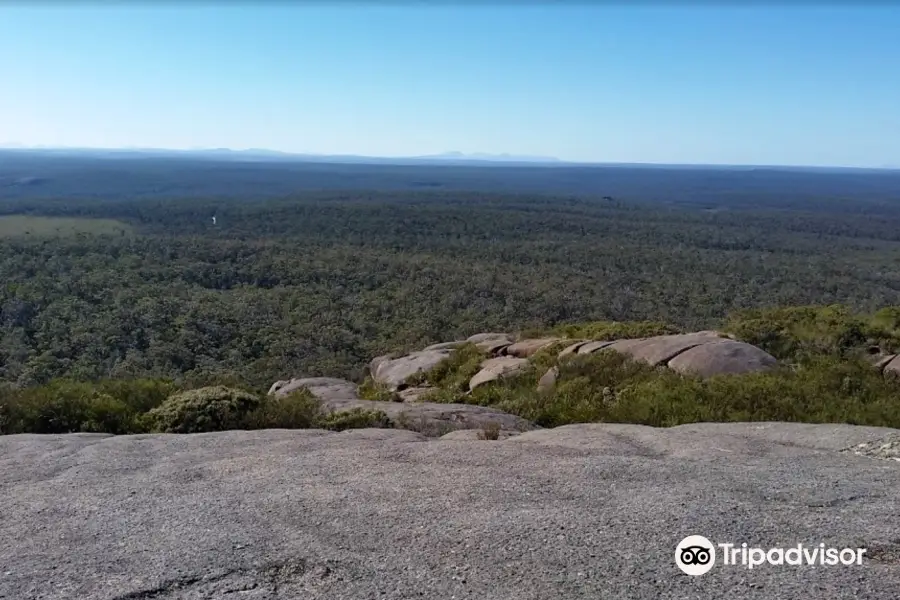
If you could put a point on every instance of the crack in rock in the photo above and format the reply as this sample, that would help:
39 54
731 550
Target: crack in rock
888 552
887 448
261 583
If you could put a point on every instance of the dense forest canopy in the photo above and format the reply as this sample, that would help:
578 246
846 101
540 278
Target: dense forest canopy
125 274
28 175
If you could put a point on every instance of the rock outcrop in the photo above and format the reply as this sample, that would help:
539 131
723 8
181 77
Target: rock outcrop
526 348
577 513
444 346
323 388
592 347
491 343
414 394
572 348
487 337
891 366
394 373
493 369
548 380
703 353
723 357
428 418
887 448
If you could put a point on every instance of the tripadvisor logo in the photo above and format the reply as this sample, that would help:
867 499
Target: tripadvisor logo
696 555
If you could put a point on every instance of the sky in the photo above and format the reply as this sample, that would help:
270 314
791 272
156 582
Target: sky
703 83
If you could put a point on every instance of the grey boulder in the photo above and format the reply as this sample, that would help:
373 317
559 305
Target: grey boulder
548 380
526 348
395 372
572 348
661 349
445 346
434 419
485 337
323 388
493 369
414 394
493 347
723 357
592 347
892 367
429 418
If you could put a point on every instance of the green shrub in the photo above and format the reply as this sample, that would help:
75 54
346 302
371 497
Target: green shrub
199 378
827 379
454 372
370 389
800 333
64 406
490 431
216 408
355 418
297 410
140 395
825 391
423 425
607 386
613 330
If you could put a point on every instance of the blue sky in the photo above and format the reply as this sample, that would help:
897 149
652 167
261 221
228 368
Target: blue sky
717 84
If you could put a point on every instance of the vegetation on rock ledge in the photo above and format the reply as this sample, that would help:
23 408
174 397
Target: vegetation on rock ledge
100 325
825 377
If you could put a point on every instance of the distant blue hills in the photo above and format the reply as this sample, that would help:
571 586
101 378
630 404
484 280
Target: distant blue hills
446 158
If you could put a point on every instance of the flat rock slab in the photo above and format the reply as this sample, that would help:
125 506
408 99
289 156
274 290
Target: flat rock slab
527 348
489 337
887 448
414 394
579 512
324 388
880 361
470 435
493 369
592 347
661 349
445 346
434 419
394 372
493 347
572 348
892 366
625 346
723 357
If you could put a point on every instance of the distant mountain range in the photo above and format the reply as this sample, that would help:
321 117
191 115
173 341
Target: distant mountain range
490 157
446 158
261 154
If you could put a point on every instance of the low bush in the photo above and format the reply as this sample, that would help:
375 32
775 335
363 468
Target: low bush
297 410
611 330
826 377
370 389
149 406
609 387
216 408
490 431
355 418
65 406
454 372
801 333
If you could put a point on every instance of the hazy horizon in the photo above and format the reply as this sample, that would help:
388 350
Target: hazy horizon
714 85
